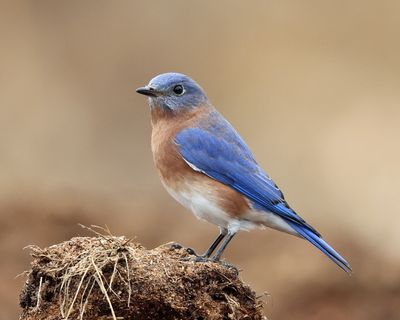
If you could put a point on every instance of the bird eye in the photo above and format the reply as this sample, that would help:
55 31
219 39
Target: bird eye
178 90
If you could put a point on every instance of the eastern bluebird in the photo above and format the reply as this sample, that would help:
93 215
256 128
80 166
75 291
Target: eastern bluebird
206 166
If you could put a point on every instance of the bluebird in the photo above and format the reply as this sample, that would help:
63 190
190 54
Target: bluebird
207 167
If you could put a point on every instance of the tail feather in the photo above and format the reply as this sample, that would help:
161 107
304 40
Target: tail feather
322 245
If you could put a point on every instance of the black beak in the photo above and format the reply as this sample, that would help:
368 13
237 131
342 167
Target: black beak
147 91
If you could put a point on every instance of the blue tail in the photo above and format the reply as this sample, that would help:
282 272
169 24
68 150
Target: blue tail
321 245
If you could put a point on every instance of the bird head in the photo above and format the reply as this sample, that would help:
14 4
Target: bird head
174 92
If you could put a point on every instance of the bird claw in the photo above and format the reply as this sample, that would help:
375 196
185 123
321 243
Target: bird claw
203 258
175 246
191 252
195 257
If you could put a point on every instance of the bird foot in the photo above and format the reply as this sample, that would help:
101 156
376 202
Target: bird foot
195 257
175 246
191 252
203 258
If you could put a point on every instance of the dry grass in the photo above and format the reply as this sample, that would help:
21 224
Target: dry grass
108 276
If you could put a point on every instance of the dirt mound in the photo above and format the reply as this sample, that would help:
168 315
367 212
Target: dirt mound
107 277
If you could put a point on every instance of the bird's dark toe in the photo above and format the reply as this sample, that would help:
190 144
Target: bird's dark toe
176 246
201 259
191 252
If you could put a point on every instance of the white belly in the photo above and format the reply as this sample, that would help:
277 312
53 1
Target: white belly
202 205
205 206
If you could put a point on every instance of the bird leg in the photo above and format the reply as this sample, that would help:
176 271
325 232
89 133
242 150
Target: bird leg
221 249
204 257
210 250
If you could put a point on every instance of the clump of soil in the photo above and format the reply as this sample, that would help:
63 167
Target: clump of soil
107 277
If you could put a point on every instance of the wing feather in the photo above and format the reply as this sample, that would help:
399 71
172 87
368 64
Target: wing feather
219 152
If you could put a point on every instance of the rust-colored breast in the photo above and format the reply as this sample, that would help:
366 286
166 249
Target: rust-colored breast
175 173
167 159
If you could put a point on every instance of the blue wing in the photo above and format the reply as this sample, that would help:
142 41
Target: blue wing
217 150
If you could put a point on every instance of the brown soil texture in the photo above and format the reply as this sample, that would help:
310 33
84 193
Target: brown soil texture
109 277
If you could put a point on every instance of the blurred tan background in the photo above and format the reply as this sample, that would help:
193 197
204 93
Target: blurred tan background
313 87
